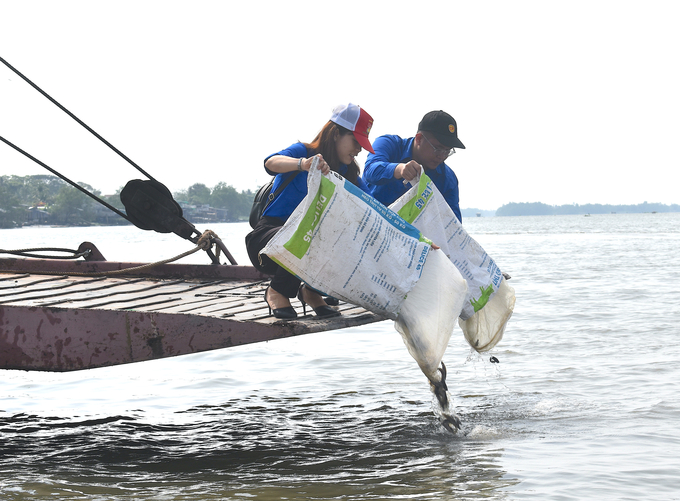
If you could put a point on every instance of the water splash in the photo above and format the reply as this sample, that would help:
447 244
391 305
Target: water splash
447 417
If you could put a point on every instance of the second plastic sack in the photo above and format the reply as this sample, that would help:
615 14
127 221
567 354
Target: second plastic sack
490 300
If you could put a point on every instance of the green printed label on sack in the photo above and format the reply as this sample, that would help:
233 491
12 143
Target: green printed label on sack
298 245
415 206
480 303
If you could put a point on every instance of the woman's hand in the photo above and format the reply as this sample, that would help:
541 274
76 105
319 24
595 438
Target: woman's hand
322 166
282 164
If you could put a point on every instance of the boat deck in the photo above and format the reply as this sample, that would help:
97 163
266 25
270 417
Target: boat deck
64 321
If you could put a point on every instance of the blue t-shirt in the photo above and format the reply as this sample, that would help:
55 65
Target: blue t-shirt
379 173
291 196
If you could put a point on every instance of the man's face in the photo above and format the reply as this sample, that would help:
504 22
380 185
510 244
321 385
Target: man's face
429 152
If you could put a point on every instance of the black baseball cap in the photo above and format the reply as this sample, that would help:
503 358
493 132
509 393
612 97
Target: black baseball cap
443 127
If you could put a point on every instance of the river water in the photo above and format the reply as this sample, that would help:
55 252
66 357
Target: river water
584 403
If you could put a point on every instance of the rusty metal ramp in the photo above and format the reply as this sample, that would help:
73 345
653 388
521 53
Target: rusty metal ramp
68 322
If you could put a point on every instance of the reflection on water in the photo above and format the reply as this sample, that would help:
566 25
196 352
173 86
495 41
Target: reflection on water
344 414
583 404
345 445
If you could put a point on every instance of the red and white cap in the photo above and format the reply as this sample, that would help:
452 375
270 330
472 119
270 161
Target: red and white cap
352 117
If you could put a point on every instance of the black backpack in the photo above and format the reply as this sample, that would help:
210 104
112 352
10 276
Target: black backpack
264 197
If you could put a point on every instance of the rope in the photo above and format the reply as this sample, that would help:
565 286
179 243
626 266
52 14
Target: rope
75 118
28 252
204 243
64 178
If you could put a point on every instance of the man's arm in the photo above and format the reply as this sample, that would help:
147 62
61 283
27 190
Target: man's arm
379 168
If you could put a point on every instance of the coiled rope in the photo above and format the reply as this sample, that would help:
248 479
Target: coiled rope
29 253
204 243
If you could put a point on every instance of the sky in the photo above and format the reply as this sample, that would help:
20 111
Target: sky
557 102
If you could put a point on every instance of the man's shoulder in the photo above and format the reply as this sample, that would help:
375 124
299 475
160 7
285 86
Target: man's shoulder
392 143
392 138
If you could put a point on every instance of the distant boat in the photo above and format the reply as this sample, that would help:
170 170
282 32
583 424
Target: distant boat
479 214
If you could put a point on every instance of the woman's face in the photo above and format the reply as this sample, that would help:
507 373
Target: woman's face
347 148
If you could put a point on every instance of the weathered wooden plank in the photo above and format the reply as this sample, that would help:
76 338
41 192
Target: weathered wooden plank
63 322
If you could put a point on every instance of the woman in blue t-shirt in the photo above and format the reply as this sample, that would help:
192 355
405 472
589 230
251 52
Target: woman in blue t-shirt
336 146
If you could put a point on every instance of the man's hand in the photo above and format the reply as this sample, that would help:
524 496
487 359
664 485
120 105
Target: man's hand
408 171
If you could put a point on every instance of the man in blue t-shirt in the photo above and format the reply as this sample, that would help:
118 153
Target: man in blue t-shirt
397 161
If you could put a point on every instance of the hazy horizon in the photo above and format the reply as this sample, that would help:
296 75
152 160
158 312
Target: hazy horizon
469 208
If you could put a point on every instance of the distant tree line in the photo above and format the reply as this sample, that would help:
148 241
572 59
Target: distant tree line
46 199
221 196
540 209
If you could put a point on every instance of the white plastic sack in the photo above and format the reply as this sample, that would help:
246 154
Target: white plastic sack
485 329
427 319
425 207
342 241
345 243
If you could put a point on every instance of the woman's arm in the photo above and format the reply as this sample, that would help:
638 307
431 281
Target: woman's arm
282 163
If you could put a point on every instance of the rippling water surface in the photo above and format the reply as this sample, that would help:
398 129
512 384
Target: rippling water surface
583 405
